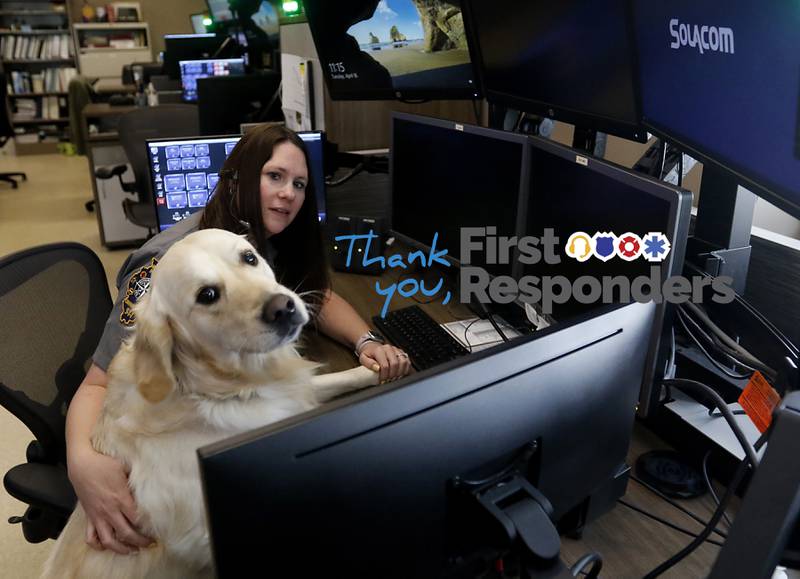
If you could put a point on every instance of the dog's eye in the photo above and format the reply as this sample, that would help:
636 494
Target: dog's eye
249 257
208 295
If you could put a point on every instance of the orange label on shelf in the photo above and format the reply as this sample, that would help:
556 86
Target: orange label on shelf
758 400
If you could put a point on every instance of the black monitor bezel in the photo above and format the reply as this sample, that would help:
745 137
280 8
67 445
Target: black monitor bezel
767 190
582 119
524 180
474 93
680 201
365 412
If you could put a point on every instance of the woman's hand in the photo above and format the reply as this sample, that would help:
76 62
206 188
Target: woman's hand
101 484
390 362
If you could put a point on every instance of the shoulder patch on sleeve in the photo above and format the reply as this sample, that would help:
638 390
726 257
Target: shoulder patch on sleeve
138 285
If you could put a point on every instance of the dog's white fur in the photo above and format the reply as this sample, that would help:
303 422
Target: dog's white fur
193 374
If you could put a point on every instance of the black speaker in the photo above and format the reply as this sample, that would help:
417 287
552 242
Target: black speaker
353 233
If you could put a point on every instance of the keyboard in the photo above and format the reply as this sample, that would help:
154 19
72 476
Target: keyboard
426 342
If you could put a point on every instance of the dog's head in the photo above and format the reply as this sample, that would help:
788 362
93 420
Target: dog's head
213 301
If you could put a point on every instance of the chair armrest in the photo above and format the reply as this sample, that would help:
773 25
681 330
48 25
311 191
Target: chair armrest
108 172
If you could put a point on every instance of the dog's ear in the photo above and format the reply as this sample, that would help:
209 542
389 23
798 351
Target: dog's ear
152 350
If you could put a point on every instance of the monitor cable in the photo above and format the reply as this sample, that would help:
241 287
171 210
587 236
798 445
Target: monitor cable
594 559
750 461
790 347
666 523
676 505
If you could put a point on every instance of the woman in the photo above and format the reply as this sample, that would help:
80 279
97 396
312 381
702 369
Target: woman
265 192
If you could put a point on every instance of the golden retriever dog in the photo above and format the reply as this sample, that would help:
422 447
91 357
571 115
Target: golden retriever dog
212 355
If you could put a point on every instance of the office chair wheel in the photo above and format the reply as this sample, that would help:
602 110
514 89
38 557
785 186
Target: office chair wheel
38 525
89 205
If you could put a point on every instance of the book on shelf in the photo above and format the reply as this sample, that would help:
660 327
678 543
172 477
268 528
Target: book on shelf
48 80
45 47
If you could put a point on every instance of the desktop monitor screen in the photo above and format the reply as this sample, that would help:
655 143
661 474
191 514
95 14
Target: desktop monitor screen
184 173
226 102
722 81
178 47
447 175
402 49
572 193
365 487
192 70
572 60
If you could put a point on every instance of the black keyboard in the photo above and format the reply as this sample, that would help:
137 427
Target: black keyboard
425 341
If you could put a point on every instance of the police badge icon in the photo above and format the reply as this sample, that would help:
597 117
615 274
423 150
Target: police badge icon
138 285
604 245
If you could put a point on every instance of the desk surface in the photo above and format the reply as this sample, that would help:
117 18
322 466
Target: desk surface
631 544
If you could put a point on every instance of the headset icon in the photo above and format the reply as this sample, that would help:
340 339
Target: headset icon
580 246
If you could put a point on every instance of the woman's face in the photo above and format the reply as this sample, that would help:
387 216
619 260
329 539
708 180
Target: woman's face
284 178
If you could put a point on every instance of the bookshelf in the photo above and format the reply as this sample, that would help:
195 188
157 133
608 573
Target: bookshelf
37 55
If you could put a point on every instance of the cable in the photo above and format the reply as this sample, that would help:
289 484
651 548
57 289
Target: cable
352 173
597 564
713 360
666 522
680 555
734 355
681 508
750 459
714 341
758 315
727 340
699 387
711 488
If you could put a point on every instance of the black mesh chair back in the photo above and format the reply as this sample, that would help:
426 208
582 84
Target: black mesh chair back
161 122
54 302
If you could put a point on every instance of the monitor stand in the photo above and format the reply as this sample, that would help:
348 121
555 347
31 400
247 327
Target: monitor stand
519 519
721 241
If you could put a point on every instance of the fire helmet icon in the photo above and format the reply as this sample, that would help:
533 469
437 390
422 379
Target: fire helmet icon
629 246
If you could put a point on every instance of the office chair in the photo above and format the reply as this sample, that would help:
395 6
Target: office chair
54 302
135 128
7 131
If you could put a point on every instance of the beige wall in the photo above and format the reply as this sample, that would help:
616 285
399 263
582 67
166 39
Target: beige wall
163 16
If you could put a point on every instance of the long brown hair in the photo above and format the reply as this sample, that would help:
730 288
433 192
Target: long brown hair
301 263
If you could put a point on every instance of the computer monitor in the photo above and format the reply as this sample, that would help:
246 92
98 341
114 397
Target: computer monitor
369 486
220 10
571 60
447 175
377 50
226 102
722 81
570 192
193 70
178 47
184 173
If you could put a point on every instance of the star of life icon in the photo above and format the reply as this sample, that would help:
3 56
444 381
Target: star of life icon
656 246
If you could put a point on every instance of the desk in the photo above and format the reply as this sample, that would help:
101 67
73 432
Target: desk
104 148
631 544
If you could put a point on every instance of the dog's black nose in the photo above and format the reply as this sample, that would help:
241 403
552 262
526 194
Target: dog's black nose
280 310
